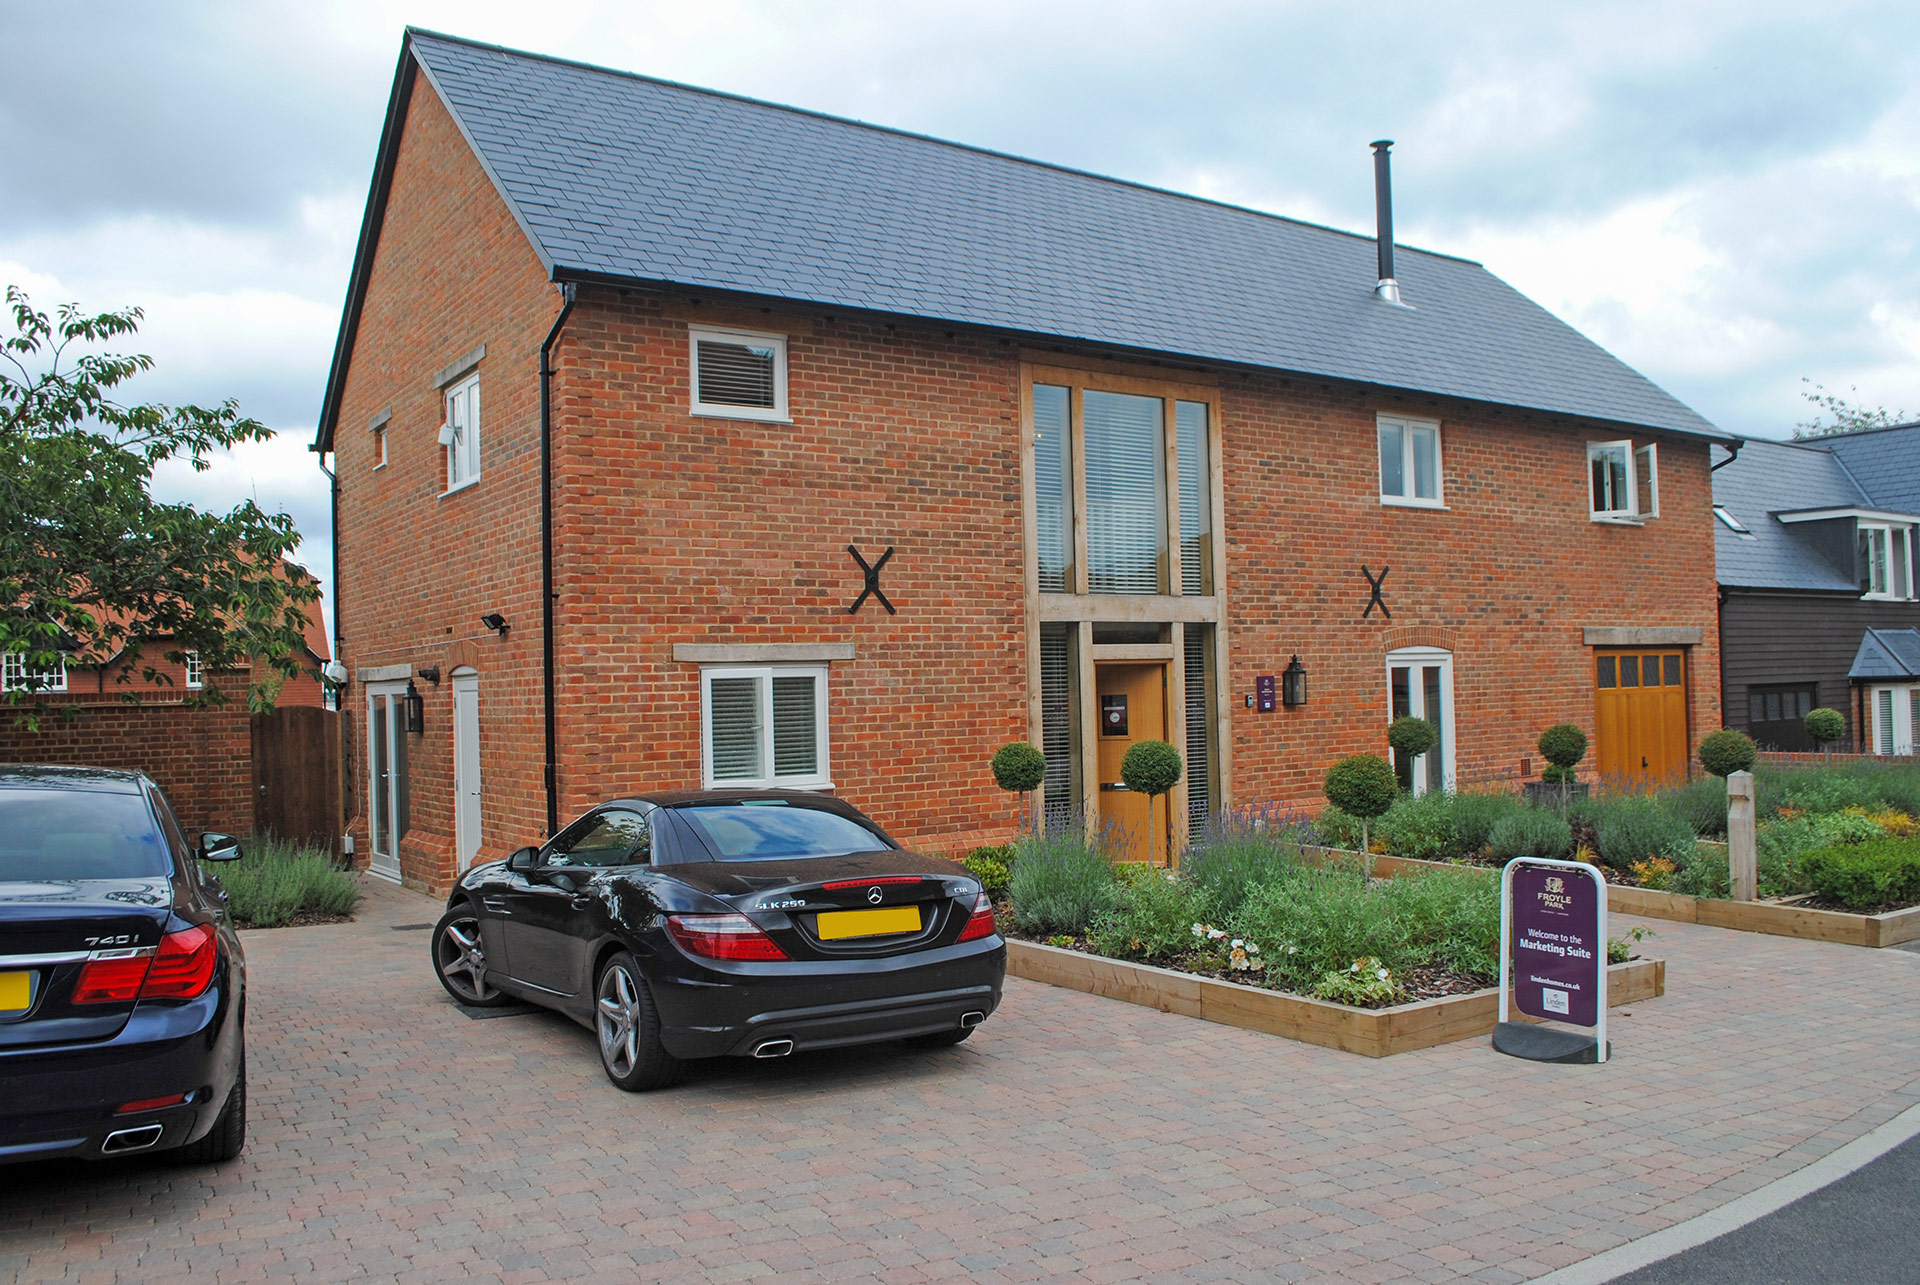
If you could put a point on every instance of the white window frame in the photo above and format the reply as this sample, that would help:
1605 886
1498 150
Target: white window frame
1729 521
777 413
462 441
15 676
380 447
1414 658
820 779
1892 531
1641 463
1408 425
196 673
1902 702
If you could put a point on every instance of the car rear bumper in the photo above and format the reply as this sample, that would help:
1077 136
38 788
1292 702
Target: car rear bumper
61 1100
707 1013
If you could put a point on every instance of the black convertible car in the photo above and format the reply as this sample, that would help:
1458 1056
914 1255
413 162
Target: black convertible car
717 923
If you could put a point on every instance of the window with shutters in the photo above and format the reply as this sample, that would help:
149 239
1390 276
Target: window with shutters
764 726
738 374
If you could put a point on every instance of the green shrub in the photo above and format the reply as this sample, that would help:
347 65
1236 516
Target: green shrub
1220 872
1727 751
279 879
1562 745
992 866
1411 737
1701 871
1825 726
1824 790
1531 832
1554 774
1702 804
1475 816
1061 882
1632 828
1872 876
1151 917
1897 786
1336 829
1365 983
1019 767
1151 767
1362 785
1422 828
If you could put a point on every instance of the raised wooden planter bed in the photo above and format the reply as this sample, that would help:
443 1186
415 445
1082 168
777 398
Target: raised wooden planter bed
1893 928
1378 1032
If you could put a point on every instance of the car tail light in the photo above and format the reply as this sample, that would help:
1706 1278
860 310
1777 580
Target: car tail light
839 884
723 937
150 1104
980 923
183 968
111 981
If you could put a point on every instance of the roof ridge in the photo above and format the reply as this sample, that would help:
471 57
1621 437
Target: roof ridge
1863 432
896 131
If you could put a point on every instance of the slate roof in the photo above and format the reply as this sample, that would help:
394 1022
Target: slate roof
1885 462
1877 469
1887 653
620 177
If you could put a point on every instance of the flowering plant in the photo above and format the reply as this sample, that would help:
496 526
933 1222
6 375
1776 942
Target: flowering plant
1365 983
1241 955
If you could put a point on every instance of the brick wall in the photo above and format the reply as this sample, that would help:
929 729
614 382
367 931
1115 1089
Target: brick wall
676 529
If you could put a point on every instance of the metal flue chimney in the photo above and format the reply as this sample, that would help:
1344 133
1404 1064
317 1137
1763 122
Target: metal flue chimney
1387 288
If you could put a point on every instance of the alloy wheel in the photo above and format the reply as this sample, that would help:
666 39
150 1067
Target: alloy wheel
618 1018
462 961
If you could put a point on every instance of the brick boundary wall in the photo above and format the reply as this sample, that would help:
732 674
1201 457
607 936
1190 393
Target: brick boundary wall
202 758
1801 758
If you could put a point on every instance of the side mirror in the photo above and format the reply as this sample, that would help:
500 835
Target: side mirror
523 860
219 847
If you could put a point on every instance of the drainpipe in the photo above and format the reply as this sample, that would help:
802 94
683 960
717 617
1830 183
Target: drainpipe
546 549
339 641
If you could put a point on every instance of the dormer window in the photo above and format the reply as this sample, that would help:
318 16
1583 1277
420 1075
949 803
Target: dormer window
1623 482
1886 570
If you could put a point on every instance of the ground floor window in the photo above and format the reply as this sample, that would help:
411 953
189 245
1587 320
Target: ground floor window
1420 684
1890 710
18 675
1776 715
764 725
1060 720
1202 763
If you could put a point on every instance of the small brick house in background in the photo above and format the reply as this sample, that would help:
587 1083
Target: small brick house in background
210 759
1815 553
676 366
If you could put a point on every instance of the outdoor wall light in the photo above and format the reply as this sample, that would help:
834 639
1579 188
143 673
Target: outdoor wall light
431 673
495 621
1293 684
416 709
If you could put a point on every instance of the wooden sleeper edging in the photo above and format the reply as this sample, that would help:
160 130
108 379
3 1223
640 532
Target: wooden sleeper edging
1378 1032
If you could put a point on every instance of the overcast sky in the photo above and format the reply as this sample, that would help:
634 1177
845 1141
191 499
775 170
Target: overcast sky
1727 196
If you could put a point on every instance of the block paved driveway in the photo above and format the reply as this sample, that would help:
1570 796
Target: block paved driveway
1074 1138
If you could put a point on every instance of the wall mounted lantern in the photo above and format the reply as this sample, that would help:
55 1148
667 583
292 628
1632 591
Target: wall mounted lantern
1293 684
416 710
495 621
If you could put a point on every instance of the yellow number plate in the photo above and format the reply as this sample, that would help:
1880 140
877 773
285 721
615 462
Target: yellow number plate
834 924
16 991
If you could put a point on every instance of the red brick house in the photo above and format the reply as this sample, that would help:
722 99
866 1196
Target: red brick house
1131 454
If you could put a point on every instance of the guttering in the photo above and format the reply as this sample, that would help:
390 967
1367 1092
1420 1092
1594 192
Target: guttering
1733 445
567 292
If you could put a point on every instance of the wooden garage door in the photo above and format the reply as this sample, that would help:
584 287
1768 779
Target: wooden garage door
1640 717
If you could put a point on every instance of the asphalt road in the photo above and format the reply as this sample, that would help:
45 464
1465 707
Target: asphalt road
1860 1230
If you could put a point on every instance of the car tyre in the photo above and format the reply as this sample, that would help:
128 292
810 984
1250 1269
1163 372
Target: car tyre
229 1133
460 962
939 1039
626 1026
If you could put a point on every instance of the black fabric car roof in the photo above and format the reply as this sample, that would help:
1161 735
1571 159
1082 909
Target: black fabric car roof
620 177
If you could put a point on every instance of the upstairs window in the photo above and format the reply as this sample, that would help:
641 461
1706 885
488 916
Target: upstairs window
1409 461
1886 570
196 676
764 726
1623 483
461 433
739 374
16 675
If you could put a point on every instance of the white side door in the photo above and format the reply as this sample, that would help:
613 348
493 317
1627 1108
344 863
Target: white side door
1420 683
466 765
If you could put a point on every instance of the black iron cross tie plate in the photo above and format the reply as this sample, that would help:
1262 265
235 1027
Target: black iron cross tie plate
873 581
1374 582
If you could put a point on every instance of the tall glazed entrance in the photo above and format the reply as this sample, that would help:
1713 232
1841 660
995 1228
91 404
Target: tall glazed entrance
1133 708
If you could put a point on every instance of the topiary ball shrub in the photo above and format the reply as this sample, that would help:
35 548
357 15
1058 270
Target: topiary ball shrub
1411 737
1362 785
1151 767
1563 745
1825 726
1018 767
1727 751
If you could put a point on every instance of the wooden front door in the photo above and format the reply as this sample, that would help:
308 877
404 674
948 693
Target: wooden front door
1132 707
1640 717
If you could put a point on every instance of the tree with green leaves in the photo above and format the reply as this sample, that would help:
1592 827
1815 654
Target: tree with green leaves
1847 416
1152 768
92 566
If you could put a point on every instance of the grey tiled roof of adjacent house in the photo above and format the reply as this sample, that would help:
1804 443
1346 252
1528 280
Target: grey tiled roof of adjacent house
1777 477
1885 462
620 177
1887 653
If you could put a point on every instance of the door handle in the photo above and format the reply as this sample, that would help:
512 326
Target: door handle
1643 762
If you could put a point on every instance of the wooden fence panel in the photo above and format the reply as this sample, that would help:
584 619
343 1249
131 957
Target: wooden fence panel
296 774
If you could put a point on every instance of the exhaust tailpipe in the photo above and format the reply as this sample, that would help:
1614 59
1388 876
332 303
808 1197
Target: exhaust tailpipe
970 1020
773 1048
121 1141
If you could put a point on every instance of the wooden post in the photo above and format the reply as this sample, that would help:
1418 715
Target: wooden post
1742 849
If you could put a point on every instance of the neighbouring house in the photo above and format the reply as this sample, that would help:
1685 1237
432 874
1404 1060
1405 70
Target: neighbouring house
682 439
1814 549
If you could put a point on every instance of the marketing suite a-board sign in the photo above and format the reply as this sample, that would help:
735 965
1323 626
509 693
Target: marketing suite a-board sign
1553 948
